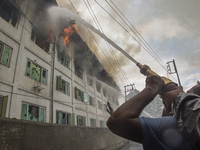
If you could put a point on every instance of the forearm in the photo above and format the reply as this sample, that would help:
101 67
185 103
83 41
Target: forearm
125 120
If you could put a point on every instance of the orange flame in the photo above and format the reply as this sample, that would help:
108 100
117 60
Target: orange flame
67 32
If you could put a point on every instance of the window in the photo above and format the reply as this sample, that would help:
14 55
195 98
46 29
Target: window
98 87
36 72
105 106
92 122
65 61
5 54
3 105
101 124
99 105
8 13
62 117
79 95
109 99
80 121
62 85
89 82
91 101
104 93
40 41
78 71
32 112
113 99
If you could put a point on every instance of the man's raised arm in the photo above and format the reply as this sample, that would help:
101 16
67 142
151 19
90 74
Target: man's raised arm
125 120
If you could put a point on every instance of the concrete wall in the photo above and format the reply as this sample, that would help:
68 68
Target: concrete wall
25 135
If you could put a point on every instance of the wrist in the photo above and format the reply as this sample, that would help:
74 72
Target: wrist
153 90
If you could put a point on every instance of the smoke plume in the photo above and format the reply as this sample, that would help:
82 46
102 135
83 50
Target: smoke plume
57 13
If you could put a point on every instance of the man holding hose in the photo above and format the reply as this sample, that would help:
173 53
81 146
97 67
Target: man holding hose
167 132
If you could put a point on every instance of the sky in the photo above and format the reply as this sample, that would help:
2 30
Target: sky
171 28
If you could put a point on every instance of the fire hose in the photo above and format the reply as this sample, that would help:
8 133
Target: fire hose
146 70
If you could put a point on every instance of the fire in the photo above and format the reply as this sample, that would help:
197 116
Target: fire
67 32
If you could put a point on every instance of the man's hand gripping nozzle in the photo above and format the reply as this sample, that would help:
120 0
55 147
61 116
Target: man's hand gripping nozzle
168 84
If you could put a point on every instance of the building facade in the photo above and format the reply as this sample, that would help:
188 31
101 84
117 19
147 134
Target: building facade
42 80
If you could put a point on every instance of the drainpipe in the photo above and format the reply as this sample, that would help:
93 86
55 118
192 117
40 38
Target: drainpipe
18 53
52 80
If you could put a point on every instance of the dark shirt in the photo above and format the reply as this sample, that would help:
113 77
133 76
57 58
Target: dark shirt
162 134
186 109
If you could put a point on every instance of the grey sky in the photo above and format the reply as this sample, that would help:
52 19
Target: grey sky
170 27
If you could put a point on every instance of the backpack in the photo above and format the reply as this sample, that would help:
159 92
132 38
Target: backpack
186 110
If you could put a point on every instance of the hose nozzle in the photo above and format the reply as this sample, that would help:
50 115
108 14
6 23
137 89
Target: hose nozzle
146 70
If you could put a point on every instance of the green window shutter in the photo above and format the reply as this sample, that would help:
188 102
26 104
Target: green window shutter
59 83
5 56
35 74
83 121
23 111
75 92
68 118
59 117
77 120
4 105
72 119
0 48
67 88
28 68
44 74
64 62
41 114
82 96
64 118
67 62
38 75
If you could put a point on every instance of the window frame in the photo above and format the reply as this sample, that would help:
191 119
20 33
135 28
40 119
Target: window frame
89 81
105 107
82 95
2 52
3 105
67 58
84 118
78 70
91 99
93 122
35 37
100 105
67 91
14 12
98 85
101 124
104 92
27 105
41 71
67 119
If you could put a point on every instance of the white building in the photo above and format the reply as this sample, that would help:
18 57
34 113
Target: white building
40 85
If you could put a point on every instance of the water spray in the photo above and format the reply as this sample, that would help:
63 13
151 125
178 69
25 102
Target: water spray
144 69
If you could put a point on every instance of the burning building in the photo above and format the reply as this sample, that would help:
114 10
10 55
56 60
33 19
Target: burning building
48 73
